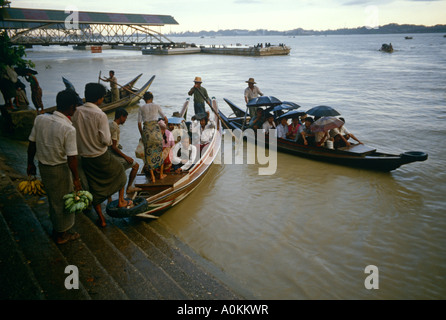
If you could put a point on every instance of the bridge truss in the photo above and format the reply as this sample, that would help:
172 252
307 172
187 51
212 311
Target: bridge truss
44 27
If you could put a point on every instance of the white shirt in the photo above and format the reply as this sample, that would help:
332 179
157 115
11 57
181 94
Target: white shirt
55 138
342 130
187 157
92 130
150 112
254 93
115 131
266 126
205 134
282 131
318 137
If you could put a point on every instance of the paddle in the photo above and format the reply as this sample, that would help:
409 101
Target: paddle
126 89
130 91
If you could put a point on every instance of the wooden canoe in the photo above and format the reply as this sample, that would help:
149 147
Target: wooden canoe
166 193
359 155
128 97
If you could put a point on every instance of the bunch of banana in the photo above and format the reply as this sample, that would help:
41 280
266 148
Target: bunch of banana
32 186
77 201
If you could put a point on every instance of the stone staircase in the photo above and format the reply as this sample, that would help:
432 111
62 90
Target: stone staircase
129 259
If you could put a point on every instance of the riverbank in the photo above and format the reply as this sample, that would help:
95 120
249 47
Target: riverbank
129 259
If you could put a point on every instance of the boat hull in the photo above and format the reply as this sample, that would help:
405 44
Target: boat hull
365 158
128 100
168 196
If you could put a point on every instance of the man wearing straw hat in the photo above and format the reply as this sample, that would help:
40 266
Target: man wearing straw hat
252 92
200 94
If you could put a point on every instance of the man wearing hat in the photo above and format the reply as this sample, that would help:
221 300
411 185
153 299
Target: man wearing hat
200 96
250 93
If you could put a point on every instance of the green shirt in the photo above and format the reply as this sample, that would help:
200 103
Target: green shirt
199 97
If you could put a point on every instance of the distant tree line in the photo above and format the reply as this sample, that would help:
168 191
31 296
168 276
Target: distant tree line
386 29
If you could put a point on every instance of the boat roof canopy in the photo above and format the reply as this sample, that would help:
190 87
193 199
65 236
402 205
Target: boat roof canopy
60 16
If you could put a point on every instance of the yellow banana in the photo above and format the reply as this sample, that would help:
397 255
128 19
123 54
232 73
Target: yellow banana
22 186
38 189
26 189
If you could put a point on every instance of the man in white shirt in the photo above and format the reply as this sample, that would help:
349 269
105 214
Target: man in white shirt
203 129
269 123
184 155
104 173
341 136
53 142
282 129
252 92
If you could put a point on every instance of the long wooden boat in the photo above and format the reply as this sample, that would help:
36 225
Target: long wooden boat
128 96
166 193
358 155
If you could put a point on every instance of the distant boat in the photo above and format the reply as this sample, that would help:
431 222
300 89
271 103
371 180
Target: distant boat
386 48
408 38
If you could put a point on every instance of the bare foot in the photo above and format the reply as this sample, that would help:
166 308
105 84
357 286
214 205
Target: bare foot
101 222
163 176
131 190
65 237
125 204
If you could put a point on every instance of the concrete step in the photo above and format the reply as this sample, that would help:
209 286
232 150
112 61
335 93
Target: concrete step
97 281
17 280
188 272
129 259
34 248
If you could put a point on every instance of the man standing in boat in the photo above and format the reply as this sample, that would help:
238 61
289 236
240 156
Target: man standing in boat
252 92
113 85
200 96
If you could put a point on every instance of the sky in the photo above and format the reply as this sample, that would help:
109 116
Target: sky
280 15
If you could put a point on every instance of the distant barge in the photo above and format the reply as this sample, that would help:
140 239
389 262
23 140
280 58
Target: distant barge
271 50
183 48
170 50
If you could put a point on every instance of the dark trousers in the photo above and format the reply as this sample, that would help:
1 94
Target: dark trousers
199 107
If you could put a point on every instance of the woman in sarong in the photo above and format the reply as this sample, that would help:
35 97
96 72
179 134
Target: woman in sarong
151 135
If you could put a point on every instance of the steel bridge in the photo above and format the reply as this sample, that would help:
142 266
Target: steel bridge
55 27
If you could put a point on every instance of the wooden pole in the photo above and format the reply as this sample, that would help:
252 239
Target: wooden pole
216 113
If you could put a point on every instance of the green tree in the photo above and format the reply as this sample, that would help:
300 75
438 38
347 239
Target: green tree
12 55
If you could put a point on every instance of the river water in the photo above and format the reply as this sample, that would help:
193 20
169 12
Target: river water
309 230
